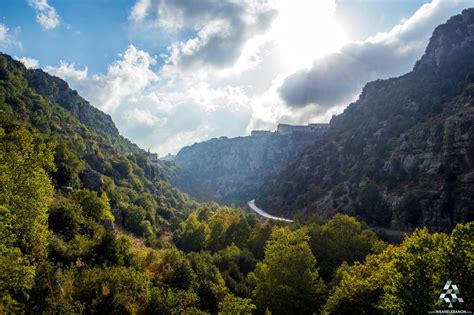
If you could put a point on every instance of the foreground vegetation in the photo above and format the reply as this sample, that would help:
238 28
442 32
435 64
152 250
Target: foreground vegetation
57 256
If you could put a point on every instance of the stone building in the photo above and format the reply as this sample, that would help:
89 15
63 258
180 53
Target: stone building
285 129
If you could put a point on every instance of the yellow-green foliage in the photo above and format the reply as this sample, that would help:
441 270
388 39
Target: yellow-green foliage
407 279
25 193
287 273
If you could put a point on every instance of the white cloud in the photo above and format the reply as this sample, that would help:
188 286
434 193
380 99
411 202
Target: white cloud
139 10
46 15
29 62
5 38
124 78
178 111
67 71
143 117
8 37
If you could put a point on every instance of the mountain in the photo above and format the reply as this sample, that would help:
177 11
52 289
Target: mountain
230 170
402 155
89 151
57 91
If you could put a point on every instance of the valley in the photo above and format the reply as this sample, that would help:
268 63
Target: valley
372 213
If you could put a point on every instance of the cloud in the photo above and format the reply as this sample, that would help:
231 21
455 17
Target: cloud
142 118
67 71
125 77
179 111
9 38
339 76
5 38
221 28
195 96
139 10
46 15
29 62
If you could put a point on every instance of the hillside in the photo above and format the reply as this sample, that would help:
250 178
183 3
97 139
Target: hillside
57 91
402 155
90 153
231 169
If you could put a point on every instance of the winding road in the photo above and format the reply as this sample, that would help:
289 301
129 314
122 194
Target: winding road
252 206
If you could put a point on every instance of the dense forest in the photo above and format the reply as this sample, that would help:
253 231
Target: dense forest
90 225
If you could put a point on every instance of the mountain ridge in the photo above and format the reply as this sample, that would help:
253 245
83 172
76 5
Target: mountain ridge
351 168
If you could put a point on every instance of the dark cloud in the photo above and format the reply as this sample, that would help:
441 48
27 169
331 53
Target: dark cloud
339 76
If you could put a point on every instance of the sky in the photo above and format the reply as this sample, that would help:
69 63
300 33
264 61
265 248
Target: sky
172 73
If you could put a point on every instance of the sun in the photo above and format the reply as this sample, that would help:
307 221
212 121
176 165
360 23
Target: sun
305 30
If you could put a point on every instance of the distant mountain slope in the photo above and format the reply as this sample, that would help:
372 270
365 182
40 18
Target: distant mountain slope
403 154
230 170
90 153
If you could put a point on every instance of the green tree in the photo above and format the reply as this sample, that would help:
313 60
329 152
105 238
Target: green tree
208 283
235 305
65 217
259 236
459 261
192 234
25 193
416 284
25 188
114 290
407 279
287 273
171 301
361 287
171 267
68 164
93 206
234 264
223 227
342 238
16 272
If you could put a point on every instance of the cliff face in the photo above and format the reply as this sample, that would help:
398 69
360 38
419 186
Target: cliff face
438 155
402 155
231 170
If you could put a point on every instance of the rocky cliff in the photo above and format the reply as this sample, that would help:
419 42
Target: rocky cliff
402 155
230 170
